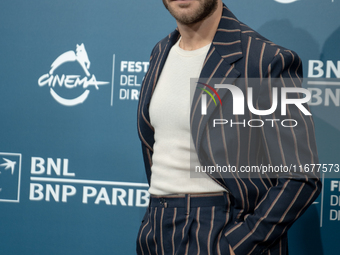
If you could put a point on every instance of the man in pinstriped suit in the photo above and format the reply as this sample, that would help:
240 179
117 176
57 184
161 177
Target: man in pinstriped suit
221 214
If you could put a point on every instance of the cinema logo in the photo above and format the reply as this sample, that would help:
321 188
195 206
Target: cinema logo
52 180
71 81
301 96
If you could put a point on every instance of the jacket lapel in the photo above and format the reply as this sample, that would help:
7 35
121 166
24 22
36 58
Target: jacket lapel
164 50
159 56
225 50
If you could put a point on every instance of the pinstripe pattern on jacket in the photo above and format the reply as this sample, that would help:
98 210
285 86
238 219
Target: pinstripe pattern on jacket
265 207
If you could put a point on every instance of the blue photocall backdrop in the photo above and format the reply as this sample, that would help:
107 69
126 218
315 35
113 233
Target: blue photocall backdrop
71 173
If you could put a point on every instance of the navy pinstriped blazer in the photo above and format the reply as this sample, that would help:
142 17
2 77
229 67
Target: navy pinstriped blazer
263 208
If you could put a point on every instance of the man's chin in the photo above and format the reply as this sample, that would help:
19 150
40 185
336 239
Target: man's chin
189 12
183 4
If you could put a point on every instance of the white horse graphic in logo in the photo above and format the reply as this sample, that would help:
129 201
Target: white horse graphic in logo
71 56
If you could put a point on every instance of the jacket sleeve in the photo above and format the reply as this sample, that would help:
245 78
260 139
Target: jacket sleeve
294 147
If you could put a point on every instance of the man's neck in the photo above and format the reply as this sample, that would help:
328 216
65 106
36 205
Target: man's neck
200 34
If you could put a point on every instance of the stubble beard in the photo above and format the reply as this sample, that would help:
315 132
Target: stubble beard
205 9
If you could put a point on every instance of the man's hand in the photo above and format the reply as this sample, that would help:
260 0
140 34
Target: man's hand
231 251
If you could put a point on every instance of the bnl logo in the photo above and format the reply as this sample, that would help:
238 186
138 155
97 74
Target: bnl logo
10 172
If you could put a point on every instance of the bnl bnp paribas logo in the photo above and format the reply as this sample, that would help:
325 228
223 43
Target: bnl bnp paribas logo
10 172
77 85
